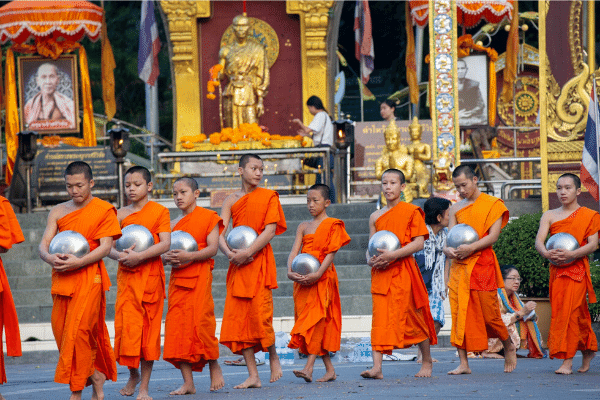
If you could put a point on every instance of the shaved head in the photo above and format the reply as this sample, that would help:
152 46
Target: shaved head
191 182
397 172
79 167
465 170
246 159
323 189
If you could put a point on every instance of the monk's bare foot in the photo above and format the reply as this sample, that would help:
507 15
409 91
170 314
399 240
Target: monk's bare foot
143 395
307 376
487 354
420 360
566 368
461 369
510 358
216 376
251 382
372 374
328 377
276 372
2 397
184 389
134 379
75 395
98 379
425 371
587 359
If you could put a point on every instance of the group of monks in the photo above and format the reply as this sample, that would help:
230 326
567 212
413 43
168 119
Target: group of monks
401 314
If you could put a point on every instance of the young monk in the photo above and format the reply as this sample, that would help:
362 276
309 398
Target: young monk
78 285
570 280
475 274
190 326
401 314
10 233
247 325
318 310
140 284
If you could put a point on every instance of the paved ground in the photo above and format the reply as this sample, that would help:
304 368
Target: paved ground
532 379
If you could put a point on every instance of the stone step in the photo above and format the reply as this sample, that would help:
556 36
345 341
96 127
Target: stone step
283 306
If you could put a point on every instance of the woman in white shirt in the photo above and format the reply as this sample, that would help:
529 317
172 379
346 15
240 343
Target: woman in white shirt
321 131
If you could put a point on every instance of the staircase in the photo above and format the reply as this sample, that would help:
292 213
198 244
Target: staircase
29 277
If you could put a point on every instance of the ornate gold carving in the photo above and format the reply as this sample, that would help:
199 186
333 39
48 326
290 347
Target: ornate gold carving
530 57
261 32
526 103
314 21
182 22
567 107
575 35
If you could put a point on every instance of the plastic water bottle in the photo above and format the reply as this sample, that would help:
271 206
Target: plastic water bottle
286 355
362 351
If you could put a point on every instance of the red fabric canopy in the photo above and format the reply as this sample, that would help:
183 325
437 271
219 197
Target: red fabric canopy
20 20
468 13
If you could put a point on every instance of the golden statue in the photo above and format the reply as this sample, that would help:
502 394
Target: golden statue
420 152
395 155
442 168
246 66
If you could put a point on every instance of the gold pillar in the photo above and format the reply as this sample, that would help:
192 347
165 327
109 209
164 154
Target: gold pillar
314 20
591 34
542 11
185 63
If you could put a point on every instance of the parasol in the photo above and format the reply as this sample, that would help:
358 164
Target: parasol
468 13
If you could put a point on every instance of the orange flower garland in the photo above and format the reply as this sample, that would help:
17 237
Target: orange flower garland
214 80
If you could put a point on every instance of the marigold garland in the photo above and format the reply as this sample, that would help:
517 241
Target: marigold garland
244 133
214 80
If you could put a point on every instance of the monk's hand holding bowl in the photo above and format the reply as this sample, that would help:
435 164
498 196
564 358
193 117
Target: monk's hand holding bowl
294 276
450 252
463 251
240 257
69 262
130 258
309 279
180 257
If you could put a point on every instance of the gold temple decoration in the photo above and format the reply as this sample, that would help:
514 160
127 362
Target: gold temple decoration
442 168
261 32
419 152
183 35
395 155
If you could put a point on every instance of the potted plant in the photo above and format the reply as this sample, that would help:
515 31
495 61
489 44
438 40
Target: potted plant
516 246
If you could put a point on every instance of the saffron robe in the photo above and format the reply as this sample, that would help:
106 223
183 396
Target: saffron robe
317 308
79 302
248 314
190 324
570 324
401 313
474 281
10 233
141 294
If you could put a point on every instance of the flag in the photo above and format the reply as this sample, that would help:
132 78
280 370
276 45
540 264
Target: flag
108 76
410 61
589 159
149 44
363 39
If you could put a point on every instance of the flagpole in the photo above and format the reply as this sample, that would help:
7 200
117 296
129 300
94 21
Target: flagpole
597 121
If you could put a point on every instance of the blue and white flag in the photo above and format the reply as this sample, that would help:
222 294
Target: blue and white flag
589 159
149 45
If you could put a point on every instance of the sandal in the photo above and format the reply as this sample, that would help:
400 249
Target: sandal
241 362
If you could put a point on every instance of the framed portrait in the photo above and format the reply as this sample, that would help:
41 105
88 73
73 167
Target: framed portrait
48 94
472 79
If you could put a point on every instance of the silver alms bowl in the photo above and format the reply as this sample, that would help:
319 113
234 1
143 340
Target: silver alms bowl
305 264
69 242
135 234
461 234
241 237
181 240
563 241
383 240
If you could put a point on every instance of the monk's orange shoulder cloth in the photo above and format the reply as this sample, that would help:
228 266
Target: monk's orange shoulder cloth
190 324
10 233
257 209
318 309
143 284
97 220
581 224
480 215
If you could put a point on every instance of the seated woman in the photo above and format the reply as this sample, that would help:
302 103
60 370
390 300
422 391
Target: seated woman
518 318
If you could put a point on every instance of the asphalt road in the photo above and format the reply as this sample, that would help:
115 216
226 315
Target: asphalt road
532 379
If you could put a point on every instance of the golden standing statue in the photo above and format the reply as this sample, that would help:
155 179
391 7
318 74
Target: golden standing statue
395 155
420 152
246 66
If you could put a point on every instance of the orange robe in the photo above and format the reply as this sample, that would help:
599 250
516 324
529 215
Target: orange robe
10 233
140 295
248 315
317 308
475 280
571 324
401 313
190 325
79 302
